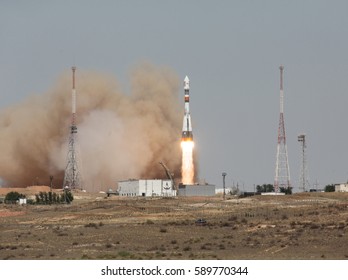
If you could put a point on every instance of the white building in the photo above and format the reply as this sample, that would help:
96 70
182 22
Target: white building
153 187
341 188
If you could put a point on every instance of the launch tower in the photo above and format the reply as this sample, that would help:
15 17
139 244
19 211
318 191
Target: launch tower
72 176
282 172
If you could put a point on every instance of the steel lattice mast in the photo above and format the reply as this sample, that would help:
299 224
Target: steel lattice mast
72 176
282 172
304 181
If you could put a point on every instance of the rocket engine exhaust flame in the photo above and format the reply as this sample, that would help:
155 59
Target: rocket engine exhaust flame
187 165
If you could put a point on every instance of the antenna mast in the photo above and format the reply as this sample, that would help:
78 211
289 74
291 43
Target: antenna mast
304 181
282 172
72 176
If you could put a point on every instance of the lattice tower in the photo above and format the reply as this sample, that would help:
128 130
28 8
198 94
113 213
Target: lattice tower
282 172
72 176
304 179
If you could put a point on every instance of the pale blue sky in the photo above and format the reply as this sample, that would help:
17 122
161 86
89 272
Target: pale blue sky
231 51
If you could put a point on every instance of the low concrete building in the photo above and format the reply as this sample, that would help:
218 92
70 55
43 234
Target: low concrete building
196 190
152 187
341 187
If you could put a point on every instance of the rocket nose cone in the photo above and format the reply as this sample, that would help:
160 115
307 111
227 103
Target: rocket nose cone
186 79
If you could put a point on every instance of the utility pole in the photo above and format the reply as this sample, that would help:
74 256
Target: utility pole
223 181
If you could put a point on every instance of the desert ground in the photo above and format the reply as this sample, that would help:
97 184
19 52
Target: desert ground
299 226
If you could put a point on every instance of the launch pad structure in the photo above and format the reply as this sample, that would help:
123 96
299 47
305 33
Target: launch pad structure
72 176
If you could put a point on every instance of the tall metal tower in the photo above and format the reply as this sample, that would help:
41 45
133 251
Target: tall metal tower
304 181
282 172
72 176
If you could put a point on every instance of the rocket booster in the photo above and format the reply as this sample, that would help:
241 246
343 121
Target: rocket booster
187 127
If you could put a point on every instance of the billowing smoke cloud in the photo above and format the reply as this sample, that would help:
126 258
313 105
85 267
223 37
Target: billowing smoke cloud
120 136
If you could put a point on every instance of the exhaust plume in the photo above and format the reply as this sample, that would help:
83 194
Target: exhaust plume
187 165
120 136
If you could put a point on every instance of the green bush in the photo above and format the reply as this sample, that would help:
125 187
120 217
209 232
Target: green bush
265 188
12 197
330 188
286 190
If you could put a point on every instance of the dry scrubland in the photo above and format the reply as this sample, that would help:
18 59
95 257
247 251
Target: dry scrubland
301 226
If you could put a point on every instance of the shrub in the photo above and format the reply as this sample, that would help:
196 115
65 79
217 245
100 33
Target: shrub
233 218
66 197
50 198
124 254
12 197
293 224
330 188
69 197
285 190
53 198
187 248
45 198
41 196
314 226
284 217
91 225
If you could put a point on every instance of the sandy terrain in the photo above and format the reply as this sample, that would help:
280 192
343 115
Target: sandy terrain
301 226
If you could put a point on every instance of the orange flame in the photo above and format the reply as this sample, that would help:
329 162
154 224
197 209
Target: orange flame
187 167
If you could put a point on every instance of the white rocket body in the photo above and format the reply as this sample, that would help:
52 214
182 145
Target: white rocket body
187 126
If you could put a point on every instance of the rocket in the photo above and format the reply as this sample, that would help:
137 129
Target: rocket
187 127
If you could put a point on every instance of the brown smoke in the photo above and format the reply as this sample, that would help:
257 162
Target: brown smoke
119 136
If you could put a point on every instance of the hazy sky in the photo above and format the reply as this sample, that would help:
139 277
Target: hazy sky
231 51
